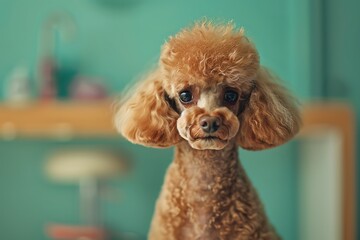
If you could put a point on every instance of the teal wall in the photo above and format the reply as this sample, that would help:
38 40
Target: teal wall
342 62
118 41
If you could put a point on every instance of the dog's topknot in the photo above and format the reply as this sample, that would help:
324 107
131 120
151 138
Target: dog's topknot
210 52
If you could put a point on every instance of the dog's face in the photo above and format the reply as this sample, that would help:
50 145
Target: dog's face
209 109
210 78
209 116
209 90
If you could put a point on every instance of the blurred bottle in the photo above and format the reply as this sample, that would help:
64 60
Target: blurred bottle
58 27
47 79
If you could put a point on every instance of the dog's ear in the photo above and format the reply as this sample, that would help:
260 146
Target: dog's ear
270 117
146 117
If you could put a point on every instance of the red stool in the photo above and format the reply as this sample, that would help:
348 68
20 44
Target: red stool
65 232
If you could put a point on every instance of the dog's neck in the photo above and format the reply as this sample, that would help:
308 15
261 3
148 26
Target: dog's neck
205 169
207 177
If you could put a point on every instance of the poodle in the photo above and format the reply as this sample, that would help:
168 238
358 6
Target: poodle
209 95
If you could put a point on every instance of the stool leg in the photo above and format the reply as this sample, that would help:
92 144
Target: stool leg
89 201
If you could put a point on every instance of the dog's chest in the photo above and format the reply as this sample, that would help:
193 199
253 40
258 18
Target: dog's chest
200 199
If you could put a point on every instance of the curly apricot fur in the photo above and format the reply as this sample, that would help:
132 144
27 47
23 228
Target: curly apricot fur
206 193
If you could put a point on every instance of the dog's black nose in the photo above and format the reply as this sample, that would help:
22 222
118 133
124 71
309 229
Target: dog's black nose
209 124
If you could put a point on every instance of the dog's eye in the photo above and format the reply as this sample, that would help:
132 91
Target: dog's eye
230 96
185 96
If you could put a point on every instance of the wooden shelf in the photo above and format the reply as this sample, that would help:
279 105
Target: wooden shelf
57 119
